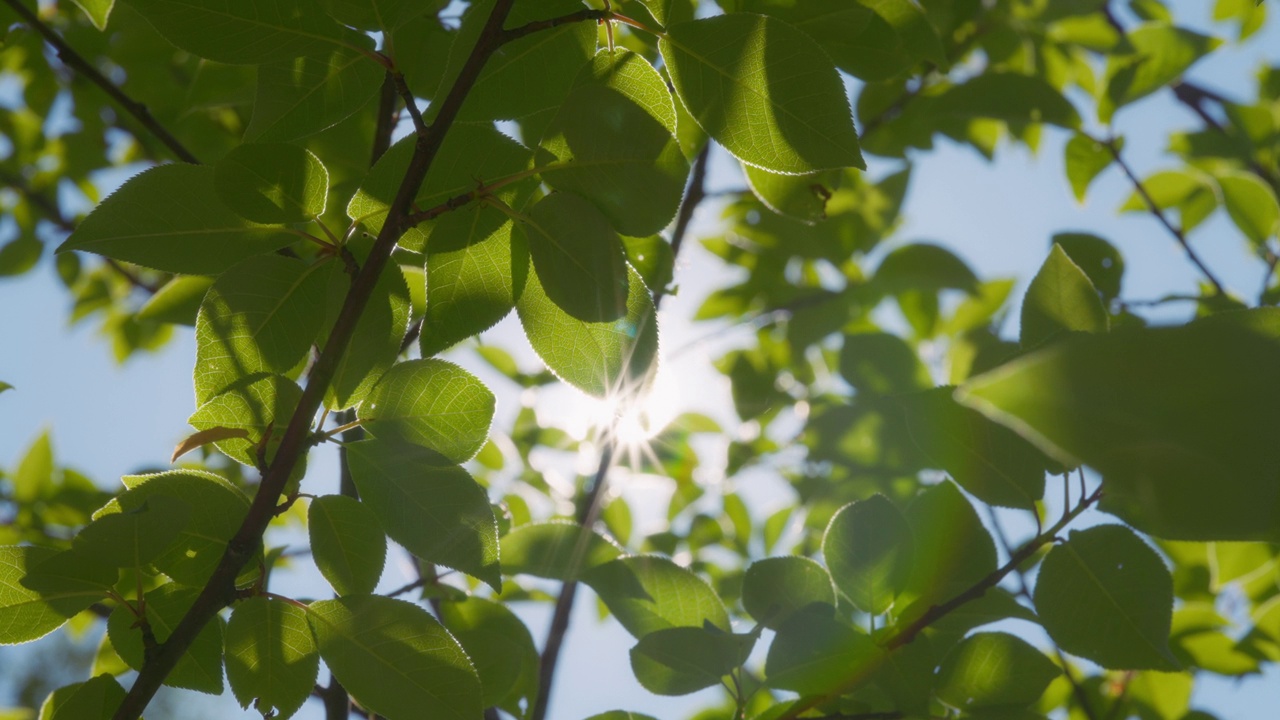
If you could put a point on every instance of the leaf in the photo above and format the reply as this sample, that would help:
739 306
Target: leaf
200 667
1085 158
133 538
177 302
272 659
260 405
803 197
1189 191
5 386
499 646
384 15
304 95
216 511
248 32
33 477
775 588
601 359
375 342
994 670
953 549
578 257
683 660
815 653
1099 259
995 605
653 258
613 142
551 550
1122 403
648 592
1060 299
395 659
921 267
27 614
869 547
170 218
94 699
1252 205
431 403
260 317
430 506
881 363
1011 97
347 543
763 91
1161 53
1106 596
97 10
201 438
272 183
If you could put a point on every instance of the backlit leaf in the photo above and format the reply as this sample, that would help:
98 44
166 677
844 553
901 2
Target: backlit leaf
551 550
869 547
272 660
26 614
578 257
994 670
499 646
648 592
774 588
133 538
94 699
304 95
247 32
261 406
375 343
272 183
347 543
1060 299
431 403
682 660
178 300
1252 205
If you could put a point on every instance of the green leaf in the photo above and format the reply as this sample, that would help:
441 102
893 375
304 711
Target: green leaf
272 659
302 96
985 458
763 91
97 10
93 699
1011 97
71 572
613 142
620 715
261 405
262 316
33 477
578 257
995 605
601 359
994 670
383 15
551 550
648 592
953 549
170 218
1189 191
5 386
1060 299
1252 205
683 660
1122 403
430 506
200 668
775 588
431 403
868 546
653 258
217 509
1099 259
1085 158
1106 596
375 343
245 32
347 543
669 11
395 659
499 646
133 538
815 653
177 302
27 614
1161 53
881 363
921 267
272 183
803 197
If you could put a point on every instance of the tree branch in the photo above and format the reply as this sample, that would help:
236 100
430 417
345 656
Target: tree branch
220 590
694 194
77 62
386 123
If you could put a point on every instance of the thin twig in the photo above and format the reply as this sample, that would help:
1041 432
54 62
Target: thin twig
694 194
410 102
77 62
513 34
386 122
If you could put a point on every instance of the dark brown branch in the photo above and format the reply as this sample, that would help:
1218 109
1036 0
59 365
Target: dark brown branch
1159 214
694 193
77 62
220 590
516 33
337 703
410 102
1194 96
386 122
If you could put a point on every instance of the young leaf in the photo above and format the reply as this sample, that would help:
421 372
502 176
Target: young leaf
551 550
347 543
94 699
648 592
815 653
613 142
257 405
430 506
304 95
431 403
170 218
200 668
375 343
683 660
248 32
1085 159
499 646
868 547
1252 205
260 317
578 257
994 670
27 614
1060 299
272 183
272 660
763 91
774 588
1161 53
395 659
97 10
601 359
1106 596
133 538
803 197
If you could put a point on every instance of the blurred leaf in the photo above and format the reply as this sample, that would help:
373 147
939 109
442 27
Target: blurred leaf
177 302
1161 53
994 670
1085 159
551 550
1252 205
93 699
648 593
815 653
1060 299
1099 259
869 548
499 646
775 588
683 660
